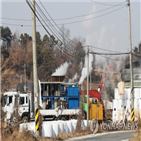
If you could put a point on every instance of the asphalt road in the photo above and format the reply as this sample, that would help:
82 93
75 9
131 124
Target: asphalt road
115 136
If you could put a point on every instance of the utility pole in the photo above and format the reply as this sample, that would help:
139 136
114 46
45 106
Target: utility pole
25 77
131 67
21 79
36 102
88 86
90 80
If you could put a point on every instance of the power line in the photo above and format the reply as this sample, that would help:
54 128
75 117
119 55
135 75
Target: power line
67 52
37 17
105 3
75 21
102 49
55 23
55 30
74 17
110 58
67 18
93 17
91 52
117 60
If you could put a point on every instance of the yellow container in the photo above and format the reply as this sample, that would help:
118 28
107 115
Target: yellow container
96 112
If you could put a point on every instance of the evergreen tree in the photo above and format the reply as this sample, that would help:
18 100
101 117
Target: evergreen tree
24 38
6 36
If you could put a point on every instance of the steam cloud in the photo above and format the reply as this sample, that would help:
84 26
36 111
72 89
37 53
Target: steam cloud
84 70
74 78
61 70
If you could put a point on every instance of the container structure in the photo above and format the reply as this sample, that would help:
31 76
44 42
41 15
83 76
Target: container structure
122 103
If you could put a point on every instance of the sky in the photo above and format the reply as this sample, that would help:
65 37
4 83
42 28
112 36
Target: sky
110 30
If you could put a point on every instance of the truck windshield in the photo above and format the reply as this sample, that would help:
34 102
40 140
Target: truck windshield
5 99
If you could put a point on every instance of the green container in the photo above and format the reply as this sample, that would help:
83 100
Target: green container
85 103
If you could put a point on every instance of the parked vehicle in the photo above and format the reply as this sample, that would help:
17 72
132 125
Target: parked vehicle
57 100
11 99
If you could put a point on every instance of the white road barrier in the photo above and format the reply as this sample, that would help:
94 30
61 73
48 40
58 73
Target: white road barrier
53 128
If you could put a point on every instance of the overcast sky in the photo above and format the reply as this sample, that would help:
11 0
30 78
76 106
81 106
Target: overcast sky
109 31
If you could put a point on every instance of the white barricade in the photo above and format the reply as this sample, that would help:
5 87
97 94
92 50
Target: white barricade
74 123
61 127
47 130
128 106
140 104
136 104
69 124
136 93
53 128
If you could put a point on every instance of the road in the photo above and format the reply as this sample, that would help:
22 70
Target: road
115 136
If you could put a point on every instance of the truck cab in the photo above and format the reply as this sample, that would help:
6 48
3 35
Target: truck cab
11 99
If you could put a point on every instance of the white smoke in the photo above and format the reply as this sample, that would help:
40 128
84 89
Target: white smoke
74 78
84 70
61 70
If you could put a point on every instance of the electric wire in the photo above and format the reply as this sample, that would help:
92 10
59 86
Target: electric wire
122 60
74 17
55 30
74 22
29 3
119 60
93 17
67 18
42 25
37 17
102 49
55 23
105 3
100 53
111 58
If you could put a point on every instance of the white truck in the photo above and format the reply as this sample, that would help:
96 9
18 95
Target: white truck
11 99
52 112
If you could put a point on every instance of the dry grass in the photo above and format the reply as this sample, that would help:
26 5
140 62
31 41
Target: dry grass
40 125
81 132
108 113
137 134
12 133
24 135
